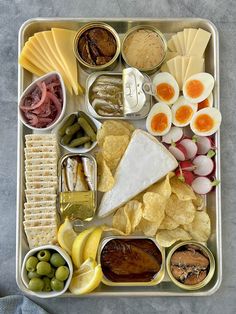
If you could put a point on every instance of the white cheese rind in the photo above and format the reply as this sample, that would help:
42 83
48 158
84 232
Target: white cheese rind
145 162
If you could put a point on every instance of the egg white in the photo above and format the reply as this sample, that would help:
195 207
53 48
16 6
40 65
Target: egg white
165 77
179 103
159 108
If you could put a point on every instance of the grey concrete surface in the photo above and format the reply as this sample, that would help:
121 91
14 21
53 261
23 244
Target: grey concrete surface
223 13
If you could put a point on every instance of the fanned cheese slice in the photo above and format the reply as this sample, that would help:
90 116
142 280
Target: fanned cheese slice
180 36
35 59
186 33
177 44
34 46
199 43
171 66
185 61
64 41
171 45
29 66
169 55
178 70
195 65
144 162
192 33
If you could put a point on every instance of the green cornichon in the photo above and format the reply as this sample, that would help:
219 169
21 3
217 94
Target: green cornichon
81 114
87 128
69 121
71 130
79 141
66 139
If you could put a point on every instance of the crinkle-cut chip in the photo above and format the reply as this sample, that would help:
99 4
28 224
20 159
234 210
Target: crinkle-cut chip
200 228
181 211
128 125
154 207
113 127
147 227
113 163
199 202
168 223
139 197
105 177
162 187
183 191
114 146
166 238
127 218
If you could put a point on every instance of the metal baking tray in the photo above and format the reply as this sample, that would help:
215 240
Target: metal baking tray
168 27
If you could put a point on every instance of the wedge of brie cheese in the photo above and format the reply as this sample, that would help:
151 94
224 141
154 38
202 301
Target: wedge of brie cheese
144 162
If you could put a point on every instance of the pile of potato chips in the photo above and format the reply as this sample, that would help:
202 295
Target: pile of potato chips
169 210
113 139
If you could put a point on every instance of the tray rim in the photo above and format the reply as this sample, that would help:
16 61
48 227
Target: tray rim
218 168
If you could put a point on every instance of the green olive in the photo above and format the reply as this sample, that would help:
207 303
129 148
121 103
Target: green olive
43 268
31 263
33 274
52 273
57 260
47 284
44 255
62 273
36 284
56 284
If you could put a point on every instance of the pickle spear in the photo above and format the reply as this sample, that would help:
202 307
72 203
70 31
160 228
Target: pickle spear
69 121
72 129
79 141
87 128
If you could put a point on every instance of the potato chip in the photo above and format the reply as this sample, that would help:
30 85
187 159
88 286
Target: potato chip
168 237
181 211
200 228
147 227
154 207
162 187
199 202
127 218
182 190
113 127
106 180
168 223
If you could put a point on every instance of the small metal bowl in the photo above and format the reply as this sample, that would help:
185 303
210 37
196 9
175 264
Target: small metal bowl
206 252
89 67
161 36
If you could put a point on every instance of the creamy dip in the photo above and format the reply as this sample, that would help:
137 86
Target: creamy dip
144 49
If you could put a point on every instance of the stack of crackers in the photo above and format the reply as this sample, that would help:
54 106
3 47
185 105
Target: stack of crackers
40 212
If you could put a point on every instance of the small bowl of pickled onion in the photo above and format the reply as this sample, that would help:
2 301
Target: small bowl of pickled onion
43 103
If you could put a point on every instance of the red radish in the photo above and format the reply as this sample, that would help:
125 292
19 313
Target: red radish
204 144
204 165
185 176
190 147
174 135
178 151
186 165
203 185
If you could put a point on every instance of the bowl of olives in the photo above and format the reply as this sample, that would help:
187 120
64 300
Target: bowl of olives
47 271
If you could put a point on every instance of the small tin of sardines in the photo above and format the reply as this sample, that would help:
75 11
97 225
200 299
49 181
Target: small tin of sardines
131 261
190 265
78 186
112 95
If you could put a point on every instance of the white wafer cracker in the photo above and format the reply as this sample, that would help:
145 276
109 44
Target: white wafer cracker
40 137
41 178
40 222
40 204
42 235
39 143
38 216
40 185
41 198
40 210
45 173
40 155
42 167
40 191
40 161
41 149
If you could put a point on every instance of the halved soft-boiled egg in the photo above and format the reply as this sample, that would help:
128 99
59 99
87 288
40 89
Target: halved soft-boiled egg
206 122
166 89
208 102
158 121
182 112
198 87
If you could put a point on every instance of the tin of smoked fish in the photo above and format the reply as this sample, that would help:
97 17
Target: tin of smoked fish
131 261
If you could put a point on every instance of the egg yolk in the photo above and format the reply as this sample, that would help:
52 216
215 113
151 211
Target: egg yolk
159 122
204 123
183 114
194 88
203 104
165 91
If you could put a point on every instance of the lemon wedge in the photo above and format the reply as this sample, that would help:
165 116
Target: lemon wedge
88 265
66 236
78 246
86 280
91 245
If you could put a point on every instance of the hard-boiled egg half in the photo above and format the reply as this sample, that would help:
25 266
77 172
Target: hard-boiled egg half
208 102
198 87
166 89
206 121
158 122
182 112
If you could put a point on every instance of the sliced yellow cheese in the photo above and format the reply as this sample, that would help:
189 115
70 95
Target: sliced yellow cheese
36 46
169 55
185 61
186 33
37 56
199 43
26 64
180 36
171 66
177 44
54 62
178 70
171 45
64 41
195 65
191 35
34 58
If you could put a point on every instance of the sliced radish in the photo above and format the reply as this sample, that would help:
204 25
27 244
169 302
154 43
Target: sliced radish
178 151
187 165
174 135
203 144
190 146
185 176
204 165
202 185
